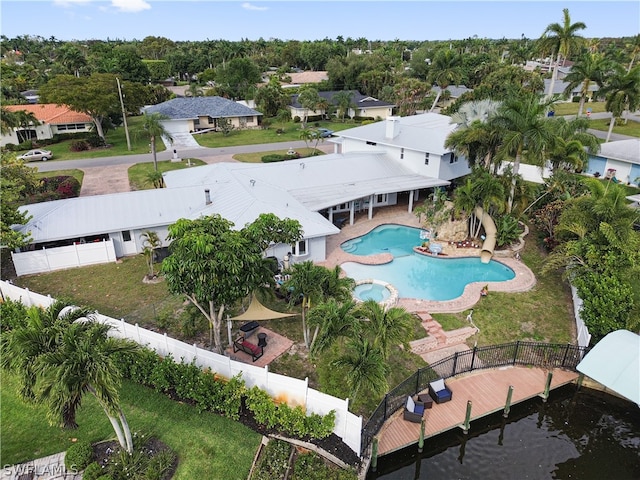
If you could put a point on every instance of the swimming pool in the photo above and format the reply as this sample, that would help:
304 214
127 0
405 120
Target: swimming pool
419 276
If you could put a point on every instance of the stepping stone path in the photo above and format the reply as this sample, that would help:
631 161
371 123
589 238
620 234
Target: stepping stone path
438 339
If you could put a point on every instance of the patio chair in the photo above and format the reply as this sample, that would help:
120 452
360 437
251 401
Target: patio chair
413 410
439 391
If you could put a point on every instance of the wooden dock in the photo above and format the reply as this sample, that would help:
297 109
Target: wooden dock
487 390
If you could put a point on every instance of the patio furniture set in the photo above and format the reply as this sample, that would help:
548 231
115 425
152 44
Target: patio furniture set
415 407
244 345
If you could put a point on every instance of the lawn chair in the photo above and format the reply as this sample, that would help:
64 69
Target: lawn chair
413 410
439 391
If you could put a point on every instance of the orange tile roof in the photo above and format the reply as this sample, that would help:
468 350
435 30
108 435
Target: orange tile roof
51 113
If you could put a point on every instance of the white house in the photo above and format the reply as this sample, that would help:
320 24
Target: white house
619 159
54 119
398 160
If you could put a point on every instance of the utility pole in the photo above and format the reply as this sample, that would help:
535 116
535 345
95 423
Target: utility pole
124 115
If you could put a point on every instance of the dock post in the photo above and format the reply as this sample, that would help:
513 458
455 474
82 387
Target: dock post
374 455
467 418
421 438
580 380
547 387
507 406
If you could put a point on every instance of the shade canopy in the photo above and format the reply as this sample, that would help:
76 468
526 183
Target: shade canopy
257 311
615 363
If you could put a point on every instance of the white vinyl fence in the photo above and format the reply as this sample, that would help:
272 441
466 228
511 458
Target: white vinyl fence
292 390
584 337
59 258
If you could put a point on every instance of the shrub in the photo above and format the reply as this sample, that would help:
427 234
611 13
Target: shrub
13 314
92 472
78 456
296 119
274 157
280 131
28 145
576 99
11 147
79 146
95 141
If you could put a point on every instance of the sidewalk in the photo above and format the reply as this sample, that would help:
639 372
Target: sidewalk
45 468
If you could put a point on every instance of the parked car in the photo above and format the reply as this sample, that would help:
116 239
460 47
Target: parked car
324 132
36 155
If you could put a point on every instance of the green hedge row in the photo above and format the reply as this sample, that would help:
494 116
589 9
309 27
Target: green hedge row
209 392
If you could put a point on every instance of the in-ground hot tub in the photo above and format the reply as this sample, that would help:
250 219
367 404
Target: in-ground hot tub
378 290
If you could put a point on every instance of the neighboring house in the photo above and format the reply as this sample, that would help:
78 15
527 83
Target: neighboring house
619 159
455 91
559 87
362 106
305 78
416 141
399 160
194 114
54 119
31 96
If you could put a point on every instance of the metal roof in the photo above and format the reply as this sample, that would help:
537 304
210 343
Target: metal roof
194 107
615 363
426 132
624 150
315 182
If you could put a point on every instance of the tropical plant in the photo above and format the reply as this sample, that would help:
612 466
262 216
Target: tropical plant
16 181
446 69
153 127
309 100
19 121
332 320
622 93
344 101
590 68
561 39
61 354
525 131
364 368
215 266
150 243
385 326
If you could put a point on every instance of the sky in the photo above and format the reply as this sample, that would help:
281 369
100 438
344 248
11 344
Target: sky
233 20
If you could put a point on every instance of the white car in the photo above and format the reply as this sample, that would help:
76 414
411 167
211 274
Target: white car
36 155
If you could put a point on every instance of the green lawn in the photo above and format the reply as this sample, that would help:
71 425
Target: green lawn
290 132
139 173
204 442
74 172
116 138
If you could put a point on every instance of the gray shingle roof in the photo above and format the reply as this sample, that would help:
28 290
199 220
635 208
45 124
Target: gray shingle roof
357 99
194 107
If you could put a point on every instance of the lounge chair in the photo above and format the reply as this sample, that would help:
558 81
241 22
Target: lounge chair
413 410
439 391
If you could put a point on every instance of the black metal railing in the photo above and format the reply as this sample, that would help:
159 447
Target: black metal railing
546 355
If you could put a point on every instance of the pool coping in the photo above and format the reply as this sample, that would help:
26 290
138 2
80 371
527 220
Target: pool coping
523 281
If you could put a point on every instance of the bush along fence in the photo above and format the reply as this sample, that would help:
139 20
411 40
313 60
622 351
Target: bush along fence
545 355
321 408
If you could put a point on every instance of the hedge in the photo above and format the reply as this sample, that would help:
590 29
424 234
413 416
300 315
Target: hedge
210 392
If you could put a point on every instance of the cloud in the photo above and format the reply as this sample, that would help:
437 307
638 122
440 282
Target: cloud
130 5
248 6
69 3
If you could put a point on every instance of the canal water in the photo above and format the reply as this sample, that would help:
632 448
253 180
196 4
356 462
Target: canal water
578 434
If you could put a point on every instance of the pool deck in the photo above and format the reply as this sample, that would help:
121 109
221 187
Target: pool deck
523 281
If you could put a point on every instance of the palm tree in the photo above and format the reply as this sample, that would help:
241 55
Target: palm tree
153 126
332 320
589 68
150 243
194 90
622 94
561 39
18 121
364 367
61 356
446 69
343 100
305 282
385 327
572 143
525 131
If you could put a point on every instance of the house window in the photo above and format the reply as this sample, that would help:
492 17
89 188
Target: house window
126 236
300 248
401 153
453 158
243 122
381 198
426 158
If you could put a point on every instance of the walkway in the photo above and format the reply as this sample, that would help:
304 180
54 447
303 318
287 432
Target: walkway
487 390
45 468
